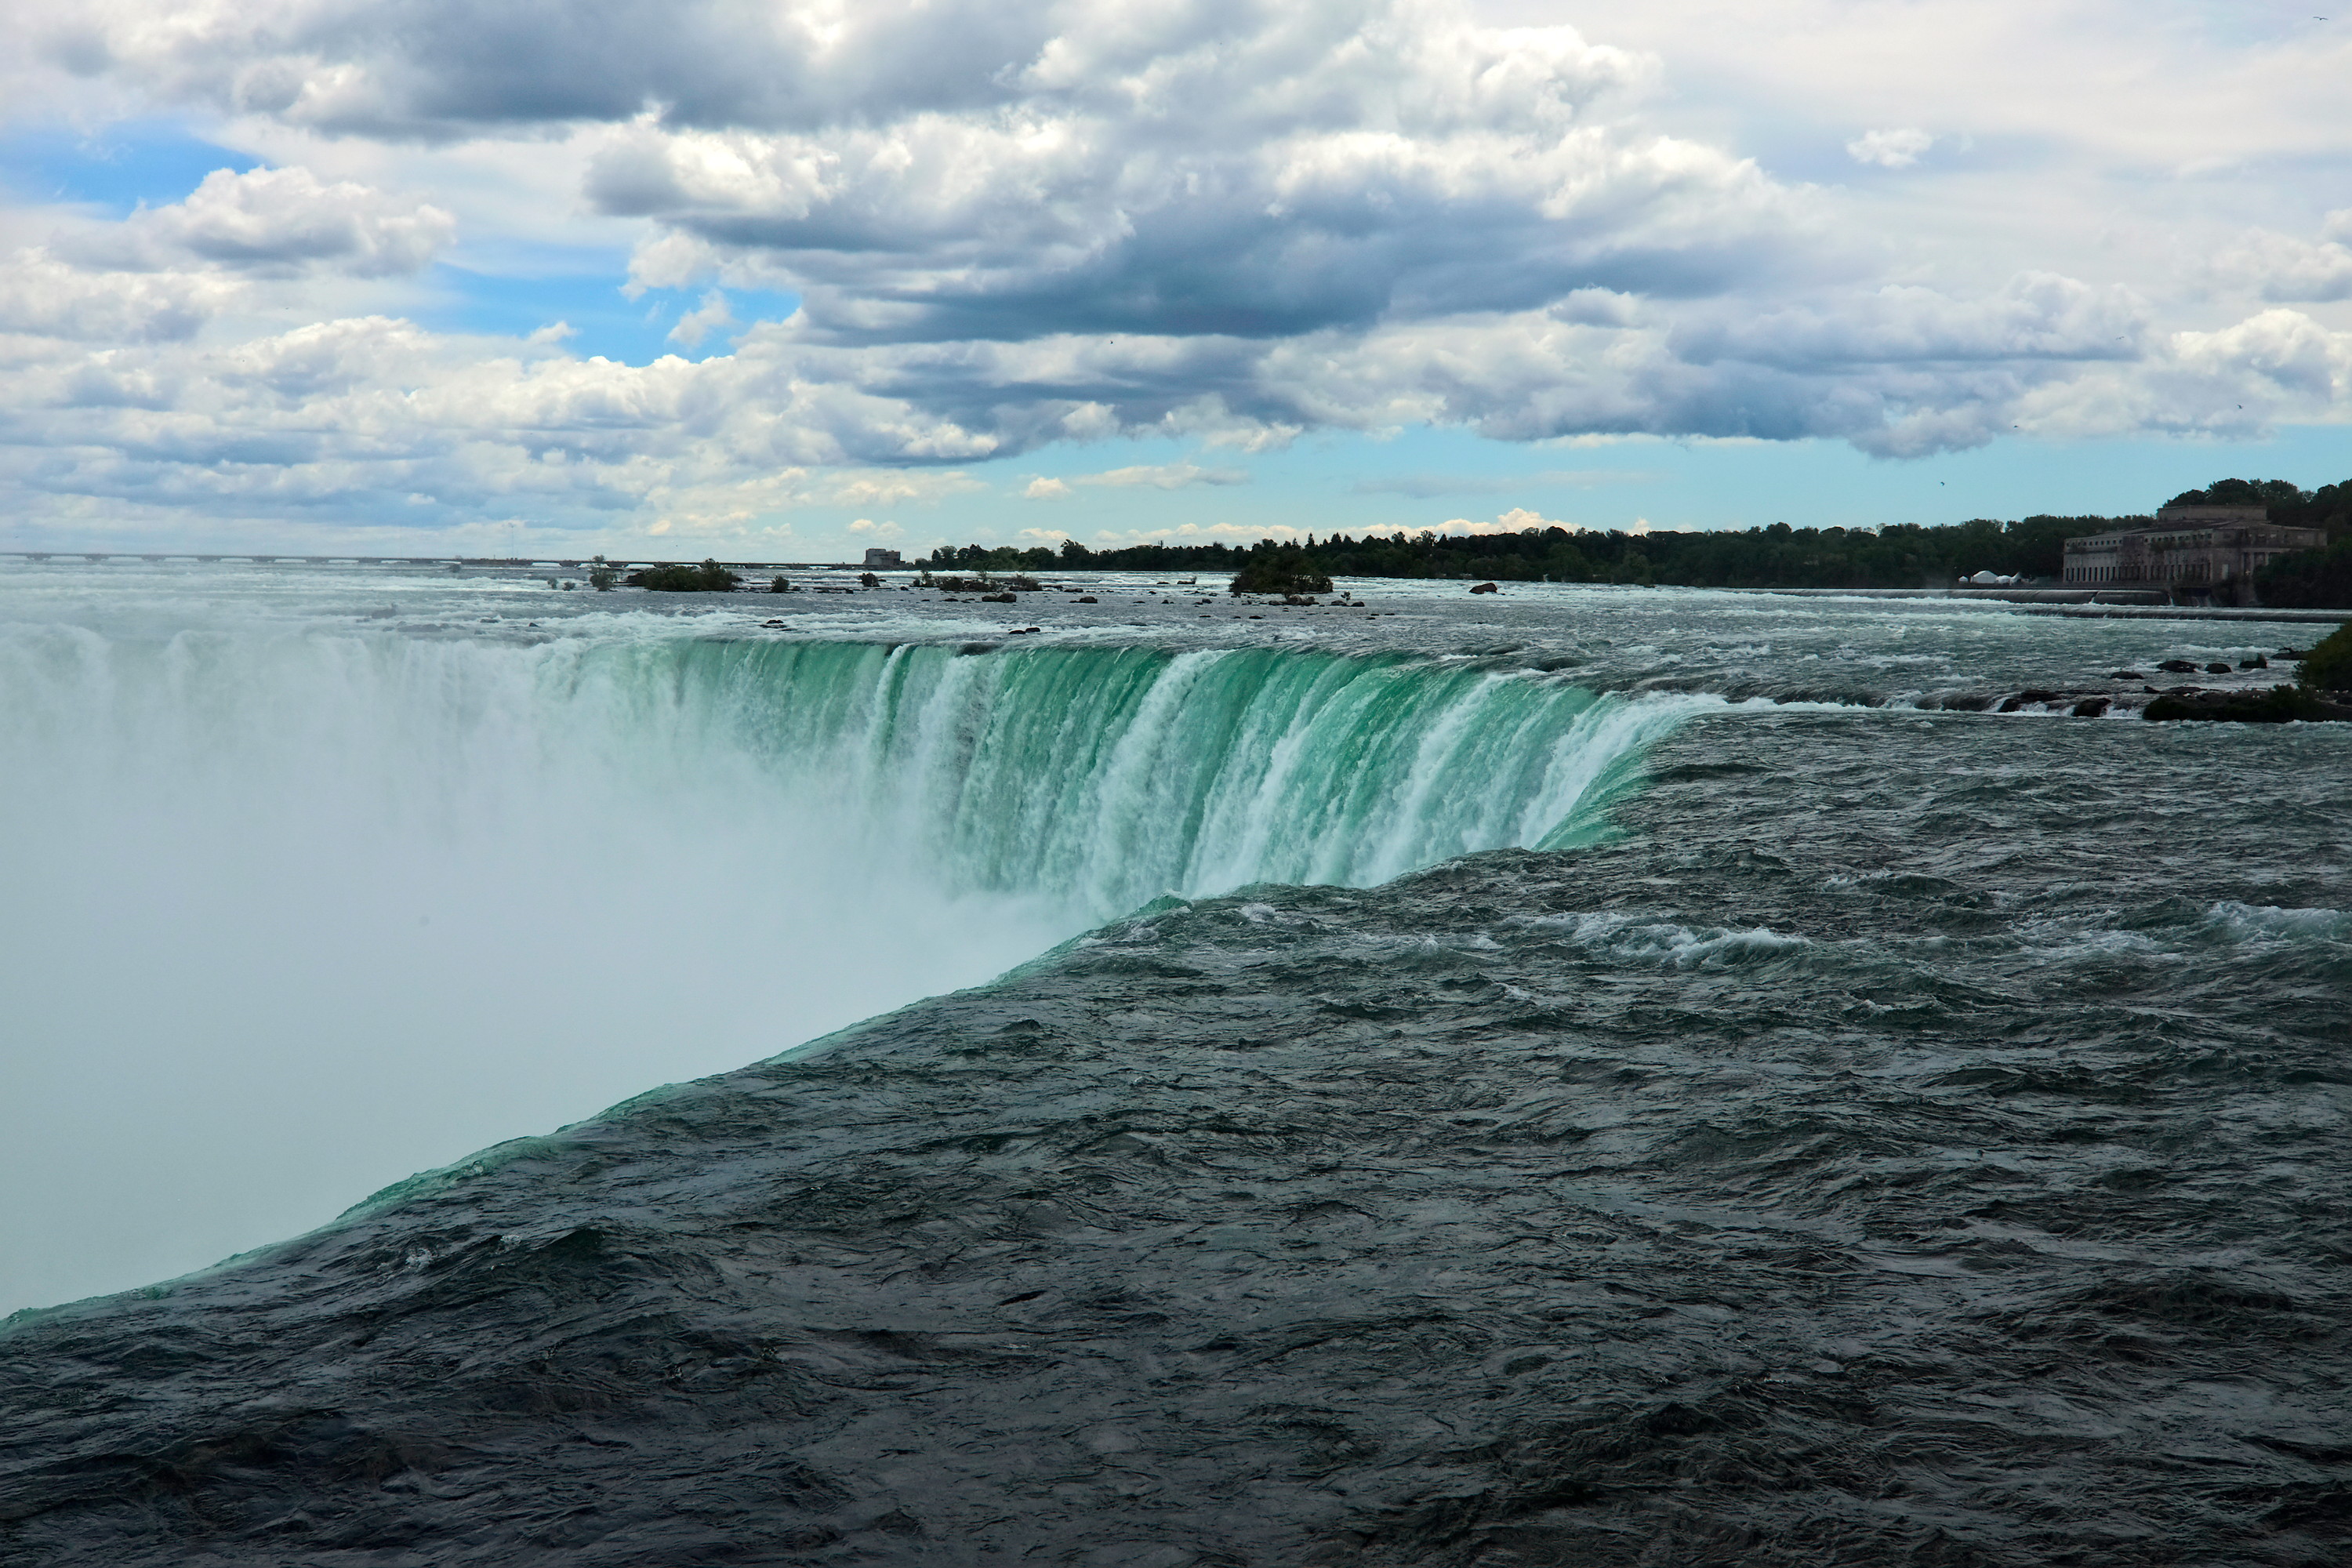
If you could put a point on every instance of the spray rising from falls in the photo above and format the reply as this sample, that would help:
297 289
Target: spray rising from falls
1107 777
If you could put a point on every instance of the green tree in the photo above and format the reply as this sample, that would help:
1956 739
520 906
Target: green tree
708 578
2328 666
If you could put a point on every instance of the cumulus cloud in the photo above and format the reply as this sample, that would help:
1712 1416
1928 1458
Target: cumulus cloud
43 295
1895 149
712 315
1518 519
164 272
1164 477
1338 166
2281 354
277 222
2281 267
1044 489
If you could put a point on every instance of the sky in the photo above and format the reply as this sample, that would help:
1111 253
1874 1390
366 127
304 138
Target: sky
780 280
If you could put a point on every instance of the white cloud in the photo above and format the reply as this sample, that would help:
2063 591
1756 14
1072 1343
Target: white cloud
1895 149
1201 533
710 316
44 297
1164 477
1044 489
889 487
2278 352
276 222
1238 176
2281 267
1518 519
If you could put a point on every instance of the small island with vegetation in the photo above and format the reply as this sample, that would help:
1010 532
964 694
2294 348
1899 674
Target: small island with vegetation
1283 570
2322 694
708 578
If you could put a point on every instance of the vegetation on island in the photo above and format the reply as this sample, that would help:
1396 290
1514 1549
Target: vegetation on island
2328 666
2321 681
1282 570
981 584
708 578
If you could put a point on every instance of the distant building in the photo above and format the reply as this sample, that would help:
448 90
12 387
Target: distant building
875 558
2193 552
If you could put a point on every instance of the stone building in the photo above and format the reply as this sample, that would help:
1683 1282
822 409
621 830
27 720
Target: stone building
2193 552
881 558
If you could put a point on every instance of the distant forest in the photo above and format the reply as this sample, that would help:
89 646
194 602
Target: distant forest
1900 556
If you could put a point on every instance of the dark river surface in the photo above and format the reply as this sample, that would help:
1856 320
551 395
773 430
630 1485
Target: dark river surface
1623 1079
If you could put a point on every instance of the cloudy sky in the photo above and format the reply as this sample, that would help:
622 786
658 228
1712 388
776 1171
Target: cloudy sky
773 279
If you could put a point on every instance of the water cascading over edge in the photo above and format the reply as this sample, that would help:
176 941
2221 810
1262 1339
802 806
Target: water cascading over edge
1113 776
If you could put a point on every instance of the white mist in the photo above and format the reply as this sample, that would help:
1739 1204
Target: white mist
285 917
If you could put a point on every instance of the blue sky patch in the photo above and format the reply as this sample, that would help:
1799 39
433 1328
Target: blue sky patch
154 162
604 320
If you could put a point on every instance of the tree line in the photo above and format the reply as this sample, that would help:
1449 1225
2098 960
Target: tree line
1899 555
1902 556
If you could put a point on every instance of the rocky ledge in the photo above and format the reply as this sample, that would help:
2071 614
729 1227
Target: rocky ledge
2272 705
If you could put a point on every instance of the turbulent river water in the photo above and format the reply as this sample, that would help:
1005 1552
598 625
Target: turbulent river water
1578 1076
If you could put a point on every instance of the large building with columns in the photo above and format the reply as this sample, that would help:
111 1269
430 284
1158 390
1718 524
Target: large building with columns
2193 552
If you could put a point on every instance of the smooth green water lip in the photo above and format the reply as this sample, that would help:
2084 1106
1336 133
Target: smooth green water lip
1111 777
